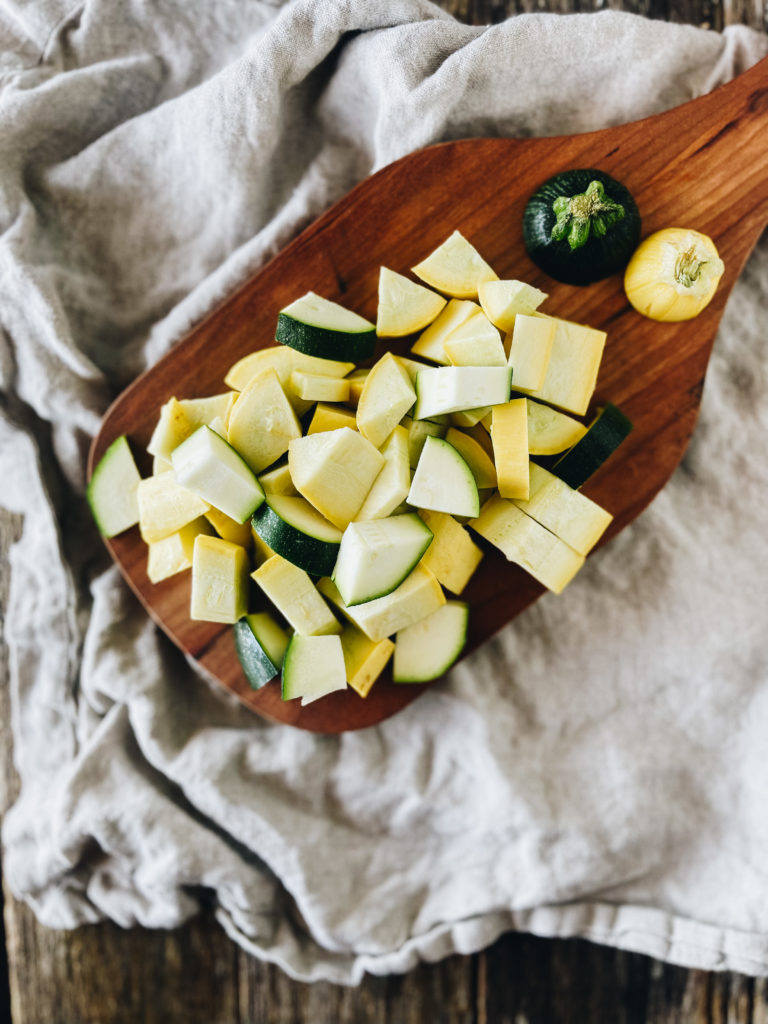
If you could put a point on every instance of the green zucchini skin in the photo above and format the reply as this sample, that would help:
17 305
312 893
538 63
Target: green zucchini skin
604 435
254 660
598 257
323 342
314 556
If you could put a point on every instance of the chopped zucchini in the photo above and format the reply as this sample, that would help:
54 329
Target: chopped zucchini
173 554
427 649
503 300
475 456
112 491
172 427
476 342
295 529
313 667
260 644
262 423
324 329
386 397
316 387
211 468
228 529
417 596
390 488
278 480
601 438
574 361
551 431
376 556
444 389
443 481
429 344
529 351
364 659
165 506
566 512
329 417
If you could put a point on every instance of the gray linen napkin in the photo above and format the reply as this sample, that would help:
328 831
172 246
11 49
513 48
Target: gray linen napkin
599 768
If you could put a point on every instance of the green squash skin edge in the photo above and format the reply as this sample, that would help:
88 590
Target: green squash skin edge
600 256
255 662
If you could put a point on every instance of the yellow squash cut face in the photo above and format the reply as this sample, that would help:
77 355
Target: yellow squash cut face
502 301
404 306
455 268
386 397
219 580
262 423
509 434
574 361
524 541
673 274
334 471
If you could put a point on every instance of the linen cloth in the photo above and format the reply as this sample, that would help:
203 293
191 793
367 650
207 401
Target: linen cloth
598 769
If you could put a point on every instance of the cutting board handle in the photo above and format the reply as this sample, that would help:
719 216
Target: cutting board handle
731 149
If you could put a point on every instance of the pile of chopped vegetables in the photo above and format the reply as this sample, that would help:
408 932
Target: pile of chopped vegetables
360 500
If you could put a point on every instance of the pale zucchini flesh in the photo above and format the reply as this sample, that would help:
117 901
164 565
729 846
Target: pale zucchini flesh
376 556
448 389
262 422
390 488
364 659
386 397
565 511
313 667
211 468
112 491
427 649
503 300
429 344
165 506
551 431
509 434
443 482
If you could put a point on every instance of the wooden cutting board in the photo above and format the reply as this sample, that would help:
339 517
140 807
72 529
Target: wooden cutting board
703 165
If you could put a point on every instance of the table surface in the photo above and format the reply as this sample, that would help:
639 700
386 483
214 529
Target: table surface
195 974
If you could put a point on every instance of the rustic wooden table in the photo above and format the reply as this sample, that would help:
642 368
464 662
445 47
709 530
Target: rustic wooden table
104 975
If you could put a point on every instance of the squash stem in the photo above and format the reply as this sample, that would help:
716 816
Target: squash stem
589 212
688 267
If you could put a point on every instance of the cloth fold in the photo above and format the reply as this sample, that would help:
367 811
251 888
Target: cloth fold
597 768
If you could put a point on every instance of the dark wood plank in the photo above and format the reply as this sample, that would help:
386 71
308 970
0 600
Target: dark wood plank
195 974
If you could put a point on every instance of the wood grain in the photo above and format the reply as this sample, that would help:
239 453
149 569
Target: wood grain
197 975
678 165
